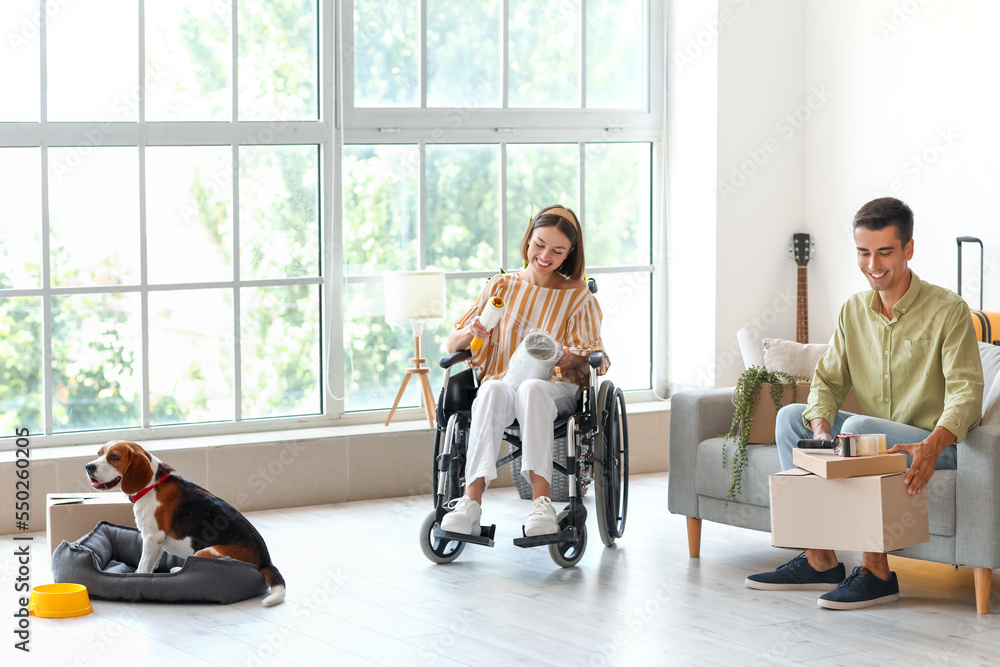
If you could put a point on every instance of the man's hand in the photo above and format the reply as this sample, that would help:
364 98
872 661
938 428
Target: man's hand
924 457
820 428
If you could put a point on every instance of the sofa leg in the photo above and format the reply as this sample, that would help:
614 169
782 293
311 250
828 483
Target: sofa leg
694 538
984 582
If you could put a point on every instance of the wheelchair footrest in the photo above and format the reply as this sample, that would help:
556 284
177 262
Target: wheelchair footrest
567 534
485 537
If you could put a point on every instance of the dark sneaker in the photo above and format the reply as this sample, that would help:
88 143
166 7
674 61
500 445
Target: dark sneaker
797 575
861 590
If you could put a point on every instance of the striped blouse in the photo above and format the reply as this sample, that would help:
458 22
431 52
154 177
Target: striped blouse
571 316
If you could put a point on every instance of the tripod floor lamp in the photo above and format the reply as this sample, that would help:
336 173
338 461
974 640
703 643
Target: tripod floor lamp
416 298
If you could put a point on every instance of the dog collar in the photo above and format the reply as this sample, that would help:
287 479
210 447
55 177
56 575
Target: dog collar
149 488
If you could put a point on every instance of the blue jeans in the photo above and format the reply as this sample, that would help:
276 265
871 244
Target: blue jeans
789 429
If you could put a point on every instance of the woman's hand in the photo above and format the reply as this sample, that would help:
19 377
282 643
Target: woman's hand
568 360
477 329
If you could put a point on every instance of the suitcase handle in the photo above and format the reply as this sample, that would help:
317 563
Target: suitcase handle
970 239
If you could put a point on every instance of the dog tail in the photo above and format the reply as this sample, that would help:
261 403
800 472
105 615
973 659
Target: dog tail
276 582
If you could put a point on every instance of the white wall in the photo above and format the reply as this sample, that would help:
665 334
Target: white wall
822 106
914 115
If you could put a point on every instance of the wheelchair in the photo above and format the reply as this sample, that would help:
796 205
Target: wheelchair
597 453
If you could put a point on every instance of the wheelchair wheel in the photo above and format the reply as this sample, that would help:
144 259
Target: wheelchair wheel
611 463
437 551
568 554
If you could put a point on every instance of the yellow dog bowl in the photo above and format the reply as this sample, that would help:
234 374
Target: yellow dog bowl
59 601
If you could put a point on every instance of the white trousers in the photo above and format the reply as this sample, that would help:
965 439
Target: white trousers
536 404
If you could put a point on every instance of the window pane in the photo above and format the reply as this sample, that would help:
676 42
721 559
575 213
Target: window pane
463 217
544 53
191 356
189 213
279 212
189 61
380 208
21 360
280 351
615 72
538 175
375 355
94 216
20 61
20 218
463 53
617 224
85 38
279 68
386 52
96 368
625 330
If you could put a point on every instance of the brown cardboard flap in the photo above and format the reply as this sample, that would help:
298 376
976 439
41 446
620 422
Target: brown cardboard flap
828 465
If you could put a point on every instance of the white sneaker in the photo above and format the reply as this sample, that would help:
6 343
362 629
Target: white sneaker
464 518
542 518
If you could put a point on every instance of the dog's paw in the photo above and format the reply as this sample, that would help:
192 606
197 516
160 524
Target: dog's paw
176 569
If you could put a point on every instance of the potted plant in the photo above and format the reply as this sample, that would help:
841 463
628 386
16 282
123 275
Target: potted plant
745 398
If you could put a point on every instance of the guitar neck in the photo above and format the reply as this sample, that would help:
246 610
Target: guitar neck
802 308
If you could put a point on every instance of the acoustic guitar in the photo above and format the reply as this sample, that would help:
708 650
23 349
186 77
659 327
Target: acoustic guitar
801 250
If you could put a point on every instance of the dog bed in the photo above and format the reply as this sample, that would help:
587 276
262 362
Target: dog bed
105 560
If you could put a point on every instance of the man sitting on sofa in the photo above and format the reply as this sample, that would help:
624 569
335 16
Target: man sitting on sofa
909 350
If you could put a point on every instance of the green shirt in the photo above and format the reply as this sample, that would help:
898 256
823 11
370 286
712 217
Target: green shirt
920 368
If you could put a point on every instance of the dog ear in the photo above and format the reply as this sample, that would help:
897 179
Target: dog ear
137 471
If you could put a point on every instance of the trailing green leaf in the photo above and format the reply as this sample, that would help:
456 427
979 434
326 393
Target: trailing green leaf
746 398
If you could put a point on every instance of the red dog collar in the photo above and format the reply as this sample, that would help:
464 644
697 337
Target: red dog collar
149 488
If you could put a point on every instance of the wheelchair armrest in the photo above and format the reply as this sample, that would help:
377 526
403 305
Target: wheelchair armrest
595 359
449 360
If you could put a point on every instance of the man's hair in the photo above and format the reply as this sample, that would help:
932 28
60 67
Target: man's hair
573 266
887 211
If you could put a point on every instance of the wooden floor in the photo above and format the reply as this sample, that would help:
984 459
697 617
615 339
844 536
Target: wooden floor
361 593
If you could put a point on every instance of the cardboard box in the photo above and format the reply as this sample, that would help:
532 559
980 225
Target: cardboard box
871 513
73 515
762 426
826 464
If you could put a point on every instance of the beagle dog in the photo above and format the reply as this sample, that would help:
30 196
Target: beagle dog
178 516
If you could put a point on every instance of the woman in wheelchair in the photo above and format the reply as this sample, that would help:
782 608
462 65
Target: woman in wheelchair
549 295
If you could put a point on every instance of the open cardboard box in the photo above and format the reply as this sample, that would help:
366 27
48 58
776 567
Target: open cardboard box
870 513
72 515
762 426
826 464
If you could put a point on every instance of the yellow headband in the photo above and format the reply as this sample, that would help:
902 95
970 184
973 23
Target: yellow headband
563 213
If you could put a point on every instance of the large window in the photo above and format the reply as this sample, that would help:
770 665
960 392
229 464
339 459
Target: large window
160 239
463 119
200 198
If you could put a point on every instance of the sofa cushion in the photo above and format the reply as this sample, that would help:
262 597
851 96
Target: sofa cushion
791 357
713 478
712 481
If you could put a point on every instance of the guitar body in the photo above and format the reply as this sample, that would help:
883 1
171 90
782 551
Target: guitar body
801 249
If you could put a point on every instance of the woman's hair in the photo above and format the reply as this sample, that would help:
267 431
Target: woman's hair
565 220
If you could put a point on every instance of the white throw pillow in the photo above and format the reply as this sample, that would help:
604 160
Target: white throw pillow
791 357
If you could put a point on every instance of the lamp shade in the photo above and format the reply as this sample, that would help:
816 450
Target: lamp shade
414 297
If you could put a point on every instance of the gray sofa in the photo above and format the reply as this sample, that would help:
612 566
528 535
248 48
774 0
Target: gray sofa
963 504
